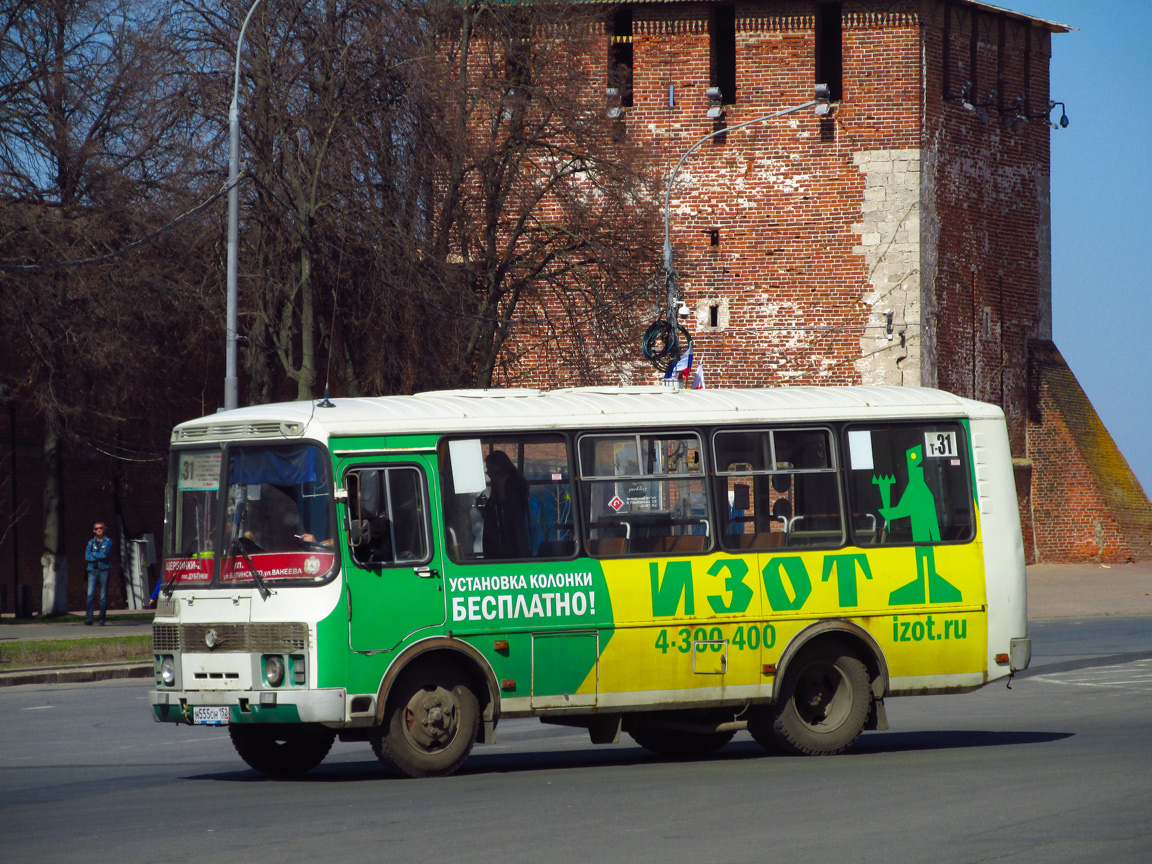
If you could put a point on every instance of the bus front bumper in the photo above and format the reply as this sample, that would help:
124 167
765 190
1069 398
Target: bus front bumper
252 706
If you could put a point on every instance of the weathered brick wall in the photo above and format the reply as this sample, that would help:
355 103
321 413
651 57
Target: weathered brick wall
906 240
866 247
779 228
985 204
1086 503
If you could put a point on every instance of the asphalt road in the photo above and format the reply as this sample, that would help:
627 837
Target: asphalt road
1057 769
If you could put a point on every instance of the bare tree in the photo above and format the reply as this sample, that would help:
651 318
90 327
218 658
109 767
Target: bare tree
93 154
426 181
539 200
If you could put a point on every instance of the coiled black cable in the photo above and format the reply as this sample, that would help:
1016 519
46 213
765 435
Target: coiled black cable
664 343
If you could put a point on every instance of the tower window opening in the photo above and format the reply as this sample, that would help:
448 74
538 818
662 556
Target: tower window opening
830 49
620 58
723 52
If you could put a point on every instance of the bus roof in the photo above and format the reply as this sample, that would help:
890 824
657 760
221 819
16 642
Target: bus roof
573 408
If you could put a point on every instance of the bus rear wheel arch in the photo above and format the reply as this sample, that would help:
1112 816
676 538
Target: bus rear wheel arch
430 722
825 702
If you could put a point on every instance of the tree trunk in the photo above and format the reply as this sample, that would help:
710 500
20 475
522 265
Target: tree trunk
54 562
307 376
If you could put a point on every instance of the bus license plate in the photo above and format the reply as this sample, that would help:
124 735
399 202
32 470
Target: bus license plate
215 715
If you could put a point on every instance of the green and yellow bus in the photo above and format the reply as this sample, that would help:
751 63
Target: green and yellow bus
674 564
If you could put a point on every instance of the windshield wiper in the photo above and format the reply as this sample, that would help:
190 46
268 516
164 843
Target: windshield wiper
257 576
166 585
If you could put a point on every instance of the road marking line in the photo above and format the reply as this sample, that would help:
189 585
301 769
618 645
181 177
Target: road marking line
1116 677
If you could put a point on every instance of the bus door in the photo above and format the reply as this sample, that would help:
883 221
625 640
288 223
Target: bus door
393 573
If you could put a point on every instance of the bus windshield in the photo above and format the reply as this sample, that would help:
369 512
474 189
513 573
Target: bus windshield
274 516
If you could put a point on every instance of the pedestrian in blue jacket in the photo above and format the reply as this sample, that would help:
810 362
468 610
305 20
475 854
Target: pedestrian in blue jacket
98 555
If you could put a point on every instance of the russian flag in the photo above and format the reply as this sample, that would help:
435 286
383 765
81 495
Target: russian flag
680 367
698 378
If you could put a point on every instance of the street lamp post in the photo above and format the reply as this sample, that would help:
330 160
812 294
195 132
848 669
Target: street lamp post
821 102
231 385
661 344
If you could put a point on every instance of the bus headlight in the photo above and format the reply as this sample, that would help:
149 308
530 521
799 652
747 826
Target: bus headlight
167 671
274 670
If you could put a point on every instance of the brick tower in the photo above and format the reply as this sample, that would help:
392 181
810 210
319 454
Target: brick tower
903 238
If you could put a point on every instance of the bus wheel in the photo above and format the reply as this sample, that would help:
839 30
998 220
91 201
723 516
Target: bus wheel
281 750
431 728
823 706
679 744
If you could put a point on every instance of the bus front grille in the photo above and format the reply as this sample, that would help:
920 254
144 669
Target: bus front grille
246 638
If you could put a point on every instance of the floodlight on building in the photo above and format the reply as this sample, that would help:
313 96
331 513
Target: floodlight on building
714 95
968 102
715 113
966 97
1063 122
1018 107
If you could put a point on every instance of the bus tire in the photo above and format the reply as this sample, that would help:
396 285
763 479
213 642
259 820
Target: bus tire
824 703
678 744
281 749
430 729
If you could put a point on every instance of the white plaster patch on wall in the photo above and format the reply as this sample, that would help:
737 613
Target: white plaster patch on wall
744 181
889 230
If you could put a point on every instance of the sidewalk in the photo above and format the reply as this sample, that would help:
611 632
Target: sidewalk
1084 590
118 623
1089 590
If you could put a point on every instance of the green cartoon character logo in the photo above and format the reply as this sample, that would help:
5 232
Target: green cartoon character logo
918 505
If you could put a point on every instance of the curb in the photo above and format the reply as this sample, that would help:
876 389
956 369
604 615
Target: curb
77 674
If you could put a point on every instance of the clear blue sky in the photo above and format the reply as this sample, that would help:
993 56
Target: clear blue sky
1102 210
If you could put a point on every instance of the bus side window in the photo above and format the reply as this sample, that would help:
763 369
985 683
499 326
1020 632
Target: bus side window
507 498
386 516
408 506
782 488
644 494
369 530
909 483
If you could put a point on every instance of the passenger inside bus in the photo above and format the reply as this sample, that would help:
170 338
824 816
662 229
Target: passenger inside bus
505 512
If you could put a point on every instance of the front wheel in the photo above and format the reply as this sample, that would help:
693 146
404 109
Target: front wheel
281 749
823 706
431 727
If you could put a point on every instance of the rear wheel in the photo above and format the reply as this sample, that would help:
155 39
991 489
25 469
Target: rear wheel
281 749
824 703
431 727
678 743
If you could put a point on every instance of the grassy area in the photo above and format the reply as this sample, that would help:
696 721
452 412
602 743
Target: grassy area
71 652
